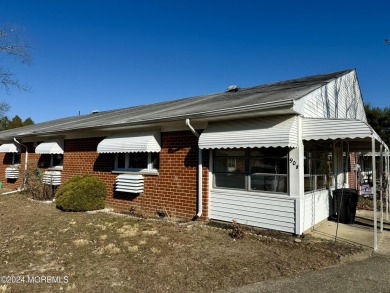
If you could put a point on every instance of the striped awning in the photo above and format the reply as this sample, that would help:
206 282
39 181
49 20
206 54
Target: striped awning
358 133
9 148
50 147
273 131
316 129
133 142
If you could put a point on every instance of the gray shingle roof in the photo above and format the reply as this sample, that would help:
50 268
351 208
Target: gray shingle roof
206 105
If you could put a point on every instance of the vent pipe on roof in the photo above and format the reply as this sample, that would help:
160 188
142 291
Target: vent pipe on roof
233 88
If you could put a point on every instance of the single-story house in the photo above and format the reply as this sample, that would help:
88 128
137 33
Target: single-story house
267 156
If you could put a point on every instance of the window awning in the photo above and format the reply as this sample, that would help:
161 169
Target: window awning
134 142
274 131
9 148
357 132
316 129
50 147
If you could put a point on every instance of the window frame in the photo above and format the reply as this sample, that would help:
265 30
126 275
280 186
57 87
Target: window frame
247 173
313 156
149 164
56 167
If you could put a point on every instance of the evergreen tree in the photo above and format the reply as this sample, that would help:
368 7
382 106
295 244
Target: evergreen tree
379 119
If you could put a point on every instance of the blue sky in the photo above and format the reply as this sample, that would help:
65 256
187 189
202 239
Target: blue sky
101 55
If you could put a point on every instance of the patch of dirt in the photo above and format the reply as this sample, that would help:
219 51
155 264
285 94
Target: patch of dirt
100 252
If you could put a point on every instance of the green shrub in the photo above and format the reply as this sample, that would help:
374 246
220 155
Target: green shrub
81 193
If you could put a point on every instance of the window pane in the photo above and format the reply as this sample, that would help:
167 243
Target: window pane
321 181
307 163
58 160
121 161
271 161
155 160
138 160
229 164
318 168
230 180
269 152
309 183
269 183
268 165
229 153
16 158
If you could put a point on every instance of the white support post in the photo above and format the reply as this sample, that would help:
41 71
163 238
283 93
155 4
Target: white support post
296 181
374 192
387 184
381 184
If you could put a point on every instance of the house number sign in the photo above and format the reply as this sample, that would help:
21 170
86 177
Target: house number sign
294 163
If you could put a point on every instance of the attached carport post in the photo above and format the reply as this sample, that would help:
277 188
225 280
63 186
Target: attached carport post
374 192
381 183
387 183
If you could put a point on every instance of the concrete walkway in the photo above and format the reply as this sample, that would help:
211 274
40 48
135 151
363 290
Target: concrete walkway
359 233
371 274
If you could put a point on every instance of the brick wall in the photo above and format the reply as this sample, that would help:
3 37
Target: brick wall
353 158
173 191
6 159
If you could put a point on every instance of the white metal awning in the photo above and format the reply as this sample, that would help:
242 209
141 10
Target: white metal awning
273 131
316 129
357 132
134 142
9 148
50 147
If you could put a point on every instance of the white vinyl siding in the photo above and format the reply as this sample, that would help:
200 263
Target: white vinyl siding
315 208
338 99
265 211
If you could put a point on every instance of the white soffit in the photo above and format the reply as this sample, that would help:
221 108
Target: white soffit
273 131
50 147
9 148
133 142
323 129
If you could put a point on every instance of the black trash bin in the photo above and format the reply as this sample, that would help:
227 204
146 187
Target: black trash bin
346 202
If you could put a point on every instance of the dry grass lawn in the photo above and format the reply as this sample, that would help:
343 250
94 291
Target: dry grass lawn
100 252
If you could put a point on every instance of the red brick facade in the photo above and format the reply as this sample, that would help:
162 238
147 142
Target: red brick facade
173 191
353 159
6 159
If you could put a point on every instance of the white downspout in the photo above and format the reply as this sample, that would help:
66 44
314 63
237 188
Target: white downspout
200 181
25 162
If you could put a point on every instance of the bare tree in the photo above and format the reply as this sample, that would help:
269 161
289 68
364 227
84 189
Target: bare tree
13 45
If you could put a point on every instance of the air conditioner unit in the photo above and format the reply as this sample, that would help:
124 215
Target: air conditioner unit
130 183
51 177
12 172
